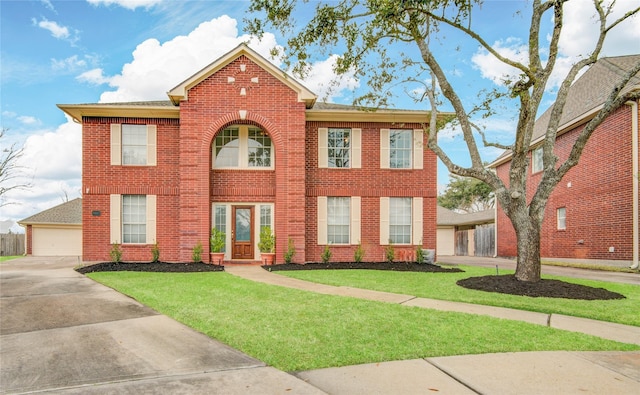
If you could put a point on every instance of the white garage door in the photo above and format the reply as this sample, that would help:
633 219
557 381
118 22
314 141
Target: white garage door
446 241
57 241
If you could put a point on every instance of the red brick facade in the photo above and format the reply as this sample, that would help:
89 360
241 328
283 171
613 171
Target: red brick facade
597 195
186 186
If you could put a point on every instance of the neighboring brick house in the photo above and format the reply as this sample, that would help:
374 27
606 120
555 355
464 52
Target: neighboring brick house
593 212
241 145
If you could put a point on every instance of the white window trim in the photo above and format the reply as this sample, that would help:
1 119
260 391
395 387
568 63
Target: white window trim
115 219
536 166
417 161
417 211
558 225
243 152
116 145
354 221
355 149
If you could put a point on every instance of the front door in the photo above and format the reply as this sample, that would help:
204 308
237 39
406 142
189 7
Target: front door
242 232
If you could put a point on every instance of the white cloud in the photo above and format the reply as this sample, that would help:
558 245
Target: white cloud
321 80
128 4
94 77
56 30
52 164
157 67
28 120
578 37
71 63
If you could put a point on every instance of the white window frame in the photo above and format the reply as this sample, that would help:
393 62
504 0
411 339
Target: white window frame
416 221
417 149
355 149
561 218
117 223
243 150
537 163
116 145
355 204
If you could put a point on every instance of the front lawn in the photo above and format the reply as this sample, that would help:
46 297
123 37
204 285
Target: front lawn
298 330
443 286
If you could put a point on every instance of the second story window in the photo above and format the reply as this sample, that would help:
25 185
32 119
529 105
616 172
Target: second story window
536 160
243 147
400 149
338 147
134 144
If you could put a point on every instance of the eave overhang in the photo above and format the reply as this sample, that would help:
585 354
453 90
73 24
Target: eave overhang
78 111
386 116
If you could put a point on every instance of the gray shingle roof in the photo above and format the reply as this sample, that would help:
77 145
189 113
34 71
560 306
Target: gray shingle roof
451 218
66 213
589 92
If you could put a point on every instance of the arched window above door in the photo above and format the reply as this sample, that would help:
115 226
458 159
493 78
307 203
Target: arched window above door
242 147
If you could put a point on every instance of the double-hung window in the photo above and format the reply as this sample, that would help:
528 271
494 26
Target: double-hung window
242 146
133 219
133 145
561 215
339 148
338 220
401 220
401 148
536 160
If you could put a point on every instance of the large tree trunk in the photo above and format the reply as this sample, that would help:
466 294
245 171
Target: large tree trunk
528 239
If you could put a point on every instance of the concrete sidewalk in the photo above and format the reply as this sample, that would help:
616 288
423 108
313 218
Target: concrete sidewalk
507 373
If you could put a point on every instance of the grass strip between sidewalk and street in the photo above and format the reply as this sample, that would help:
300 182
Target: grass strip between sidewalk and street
298 330
443 286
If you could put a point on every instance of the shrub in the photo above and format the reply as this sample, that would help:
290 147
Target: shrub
115 253
291 251
390 252
155 252
359 253
196 254
326 254
420 255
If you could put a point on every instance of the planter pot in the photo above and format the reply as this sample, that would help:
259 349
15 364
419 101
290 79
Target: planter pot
216 258
267 258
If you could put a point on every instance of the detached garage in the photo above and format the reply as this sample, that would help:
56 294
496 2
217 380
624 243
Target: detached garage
56 231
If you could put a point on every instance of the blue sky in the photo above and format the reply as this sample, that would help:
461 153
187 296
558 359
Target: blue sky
92 51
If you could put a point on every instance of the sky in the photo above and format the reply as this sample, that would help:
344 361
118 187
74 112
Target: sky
97 51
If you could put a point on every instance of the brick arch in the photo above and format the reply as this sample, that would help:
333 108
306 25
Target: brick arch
233 118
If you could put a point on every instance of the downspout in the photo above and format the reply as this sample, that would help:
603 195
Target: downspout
634 175
495 228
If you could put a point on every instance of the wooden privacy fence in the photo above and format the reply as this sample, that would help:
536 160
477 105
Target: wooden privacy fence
485 240
11 244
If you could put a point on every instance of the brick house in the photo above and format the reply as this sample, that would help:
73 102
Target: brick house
593 212
241 145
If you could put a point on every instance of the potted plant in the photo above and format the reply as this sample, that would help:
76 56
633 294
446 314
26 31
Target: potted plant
267 245
216 244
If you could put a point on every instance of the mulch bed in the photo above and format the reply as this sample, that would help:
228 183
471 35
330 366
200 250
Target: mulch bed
162 267
506 284
395 266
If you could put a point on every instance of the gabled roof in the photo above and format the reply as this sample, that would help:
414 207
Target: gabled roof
586 96
451 218
180 92
69 213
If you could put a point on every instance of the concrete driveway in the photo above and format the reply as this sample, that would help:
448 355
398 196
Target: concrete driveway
61 332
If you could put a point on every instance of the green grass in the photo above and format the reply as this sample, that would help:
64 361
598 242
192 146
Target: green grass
443 286
8 258
298 330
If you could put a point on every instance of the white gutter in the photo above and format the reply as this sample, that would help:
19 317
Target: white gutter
634 175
